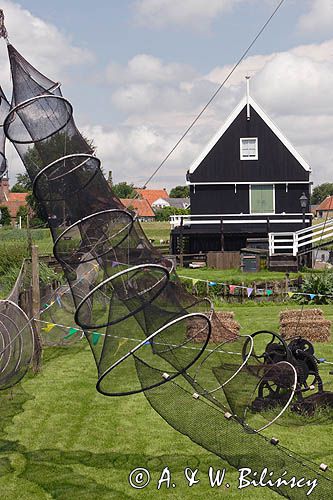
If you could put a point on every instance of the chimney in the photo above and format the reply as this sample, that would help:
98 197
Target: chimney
4 189
110 181
247 97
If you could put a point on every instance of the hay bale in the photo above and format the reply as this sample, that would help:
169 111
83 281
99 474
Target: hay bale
301 313
224 327
308 323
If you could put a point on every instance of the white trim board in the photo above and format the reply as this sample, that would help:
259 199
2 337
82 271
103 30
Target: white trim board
268 122
245 183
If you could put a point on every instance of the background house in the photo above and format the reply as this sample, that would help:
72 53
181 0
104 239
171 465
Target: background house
171 202
325 209
151 195
141 208
246 183
13 201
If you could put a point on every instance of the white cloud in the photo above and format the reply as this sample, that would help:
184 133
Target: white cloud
47 47
132 153
294 88
197 14
146 68
319 18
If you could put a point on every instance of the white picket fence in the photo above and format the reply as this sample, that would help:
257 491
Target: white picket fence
294 243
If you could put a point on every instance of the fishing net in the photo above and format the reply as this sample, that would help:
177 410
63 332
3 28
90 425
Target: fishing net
135 314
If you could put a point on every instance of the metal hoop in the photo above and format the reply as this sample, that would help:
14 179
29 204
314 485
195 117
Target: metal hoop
109 280
84 156
11 117
289 400
88 218
144 342
237 370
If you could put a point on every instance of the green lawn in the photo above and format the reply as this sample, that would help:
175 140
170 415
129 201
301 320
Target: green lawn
61 439
157 231
233 275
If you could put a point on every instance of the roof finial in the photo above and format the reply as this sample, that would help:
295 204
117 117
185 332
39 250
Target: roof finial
3 31
247 97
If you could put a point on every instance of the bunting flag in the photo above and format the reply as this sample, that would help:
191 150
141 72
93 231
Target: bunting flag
58 301
269 292
48 327
249 291
71 332
290 294
232 288
312 295
212 283
95 338
114 263
194 281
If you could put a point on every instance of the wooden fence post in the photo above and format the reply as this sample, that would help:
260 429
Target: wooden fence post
36 307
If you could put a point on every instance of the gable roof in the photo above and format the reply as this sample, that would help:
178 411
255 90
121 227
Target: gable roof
268 122
326 204
152 195
178 202
140 207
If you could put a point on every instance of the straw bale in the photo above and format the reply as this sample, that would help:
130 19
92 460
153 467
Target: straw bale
309 324
224 327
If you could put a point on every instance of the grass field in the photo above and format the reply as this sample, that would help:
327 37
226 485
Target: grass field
233 275
61 439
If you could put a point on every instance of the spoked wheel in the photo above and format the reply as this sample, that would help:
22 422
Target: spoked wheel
268 348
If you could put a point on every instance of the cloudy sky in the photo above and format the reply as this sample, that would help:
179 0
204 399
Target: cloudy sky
138 71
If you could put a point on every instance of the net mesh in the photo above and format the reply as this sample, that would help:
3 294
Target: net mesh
120 283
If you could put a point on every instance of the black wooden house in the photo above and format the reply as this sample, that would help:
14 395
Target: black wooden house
245 184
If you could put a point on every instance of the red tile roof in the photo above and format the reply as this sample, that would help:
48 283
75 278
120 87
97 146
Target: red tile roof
327 204
17 196
152 195
14 202
140 207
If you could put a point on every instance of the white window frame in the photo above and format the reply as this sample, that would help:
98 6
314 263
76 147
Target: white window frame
250 204
242 157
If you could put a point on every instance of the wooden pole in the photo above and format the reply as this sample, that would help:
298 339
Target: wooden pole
36 307
29 237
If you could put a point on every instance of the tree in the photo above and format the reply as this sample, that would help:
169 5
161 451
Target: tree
180 192
124 190
44 153
321 192
163 214
5 217
22 212
23 184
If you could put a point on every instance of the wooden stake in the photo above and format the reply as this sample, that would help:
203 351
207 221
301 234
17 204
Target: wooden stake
36 307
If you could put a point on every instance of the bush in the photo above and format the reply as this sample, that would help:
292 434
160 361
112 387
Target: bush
163 214
5 217
317 283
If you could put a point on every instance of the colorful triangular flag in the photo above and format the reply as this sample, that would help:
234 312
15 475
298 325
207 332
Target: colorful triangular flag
48 327
95 338
312 295
71 332
249 291
194 281
269 292
290 294
232 288
212 283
